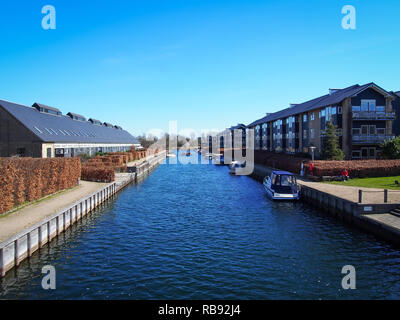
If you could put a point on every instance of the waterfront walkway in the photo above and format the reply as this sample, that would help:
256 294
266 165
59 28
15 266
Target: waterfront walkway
15 222
370 195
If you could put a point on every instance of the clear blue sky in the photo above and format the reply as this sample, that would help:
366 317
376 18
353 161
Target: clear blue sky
207 63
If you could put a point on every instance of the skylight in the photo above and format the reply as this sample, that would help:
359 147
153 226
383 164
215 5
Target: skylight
40 131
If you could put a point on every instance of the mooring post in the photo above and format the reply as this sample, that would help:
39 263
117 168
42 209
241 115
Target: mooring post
360 194
386 195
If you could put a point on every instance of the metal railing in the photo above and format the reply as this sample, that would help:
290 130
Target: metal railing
371 138
359 115
385 194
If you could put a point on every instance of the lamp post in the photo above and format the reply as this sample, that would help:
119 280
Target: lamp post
312 153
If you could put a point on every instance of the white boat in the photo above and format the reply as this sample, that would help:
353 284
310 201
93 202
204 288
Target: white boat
235 165
282 185
171 155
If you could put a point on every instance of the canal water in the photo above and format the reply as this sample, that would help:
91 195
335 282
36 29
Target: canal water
196 232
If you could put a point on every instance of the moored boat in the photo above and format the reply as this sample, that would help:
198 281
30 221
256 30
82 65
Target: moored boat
282 185
235 165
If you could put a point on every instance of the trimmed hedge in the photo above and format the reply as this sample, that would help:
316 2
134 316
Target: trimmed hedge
98 174
358 168
27 179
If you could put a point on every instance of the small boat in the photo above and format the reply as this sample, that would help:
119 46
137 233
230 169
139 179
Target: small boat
188 154
234 165
171 155
282 185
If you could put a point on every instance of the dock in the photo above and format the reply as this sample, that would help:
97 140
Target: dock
23 240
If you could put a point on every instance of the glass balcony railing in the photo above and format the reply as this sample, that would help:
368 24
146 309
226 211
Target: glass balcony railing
371 138
377 115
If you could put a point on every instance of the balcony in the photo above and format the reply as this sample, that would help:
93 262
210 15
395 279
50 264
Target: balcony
373 139
367 115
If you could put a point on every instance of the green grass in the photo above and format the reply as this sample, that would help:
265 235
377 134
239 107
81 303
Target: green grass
382 183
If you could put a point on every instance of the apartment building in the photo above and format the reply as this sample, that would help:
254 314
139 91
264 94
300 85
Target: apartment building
364 116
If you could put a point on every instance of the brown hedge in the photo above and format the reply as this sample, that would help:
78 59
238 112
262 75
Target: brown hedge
358 168
98 174
27 179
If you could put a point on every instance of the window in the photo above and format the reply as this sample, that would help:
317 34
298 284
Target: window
304 134
368 105
48 131
305 118
356 155
372 130
313 116
312 133
356 108
322 113
381 131
334 110
339 110
364 153
21 152
372 152
364 130
356 131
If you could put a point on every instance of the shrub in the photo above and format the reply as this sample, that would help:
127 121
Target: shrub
96 174
391 149
26 179
358 168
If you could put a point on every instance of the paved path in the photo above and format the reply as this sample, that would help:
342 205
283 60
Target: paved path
19 220
370 195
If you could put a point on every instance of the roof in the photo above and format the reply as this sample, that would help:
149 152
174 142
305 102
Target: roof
323 101
239 126
283 173
63 129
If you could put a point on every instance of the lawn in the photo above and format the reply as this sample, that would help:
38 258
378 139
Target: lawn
383 183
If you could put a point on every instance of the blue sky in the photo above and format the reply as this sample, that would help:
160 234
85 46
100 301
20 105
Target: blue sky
208 64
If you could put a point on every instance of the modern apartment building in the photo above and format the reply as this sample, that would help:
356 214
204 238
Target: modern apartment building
364 117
